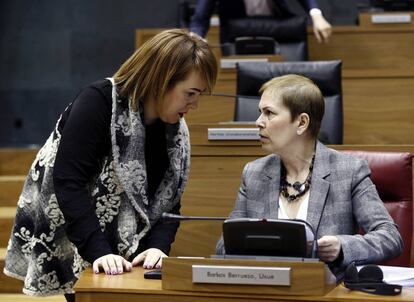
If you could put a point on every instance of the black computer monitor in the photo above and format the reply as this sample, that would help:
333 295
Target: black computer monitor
254 45
268 237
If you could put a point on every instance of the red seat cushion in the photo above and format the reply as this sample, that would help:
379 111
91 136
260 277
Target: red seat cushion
392 175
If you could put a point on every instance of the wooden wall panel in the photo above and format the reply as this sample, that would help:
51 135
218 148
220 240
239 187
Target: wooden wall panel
211 191
378 110
367 49
212 109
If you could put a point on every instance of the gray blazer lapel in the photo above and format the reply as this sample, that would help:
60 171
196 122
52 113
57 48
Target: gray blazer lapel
319 187
271 183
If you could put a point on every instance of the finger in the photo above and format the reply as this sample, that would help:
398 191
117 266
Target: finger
326 34
324 247
151 259
159 264
127 265
317 35
138 259
323 243
95 266
105 266
119 266
325 253
330 252
322 252
112 266
326 250
160 255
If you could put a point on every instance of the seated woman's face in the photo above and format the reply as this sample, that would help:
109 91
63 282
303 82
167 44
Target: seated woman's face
276 127
181 98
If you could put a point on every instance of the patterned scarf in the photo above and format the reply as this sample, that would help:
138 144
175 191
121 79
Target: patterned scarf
39 252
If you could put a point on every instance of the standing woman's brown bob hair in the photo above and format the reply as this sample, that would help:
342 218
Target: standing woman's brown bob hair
161 62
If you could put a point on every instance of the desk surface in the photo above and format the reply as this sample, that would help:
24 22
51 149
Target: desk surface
127 287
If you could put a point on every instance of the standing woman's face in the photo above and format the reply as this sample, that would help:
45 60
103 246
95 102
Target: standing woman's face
181 98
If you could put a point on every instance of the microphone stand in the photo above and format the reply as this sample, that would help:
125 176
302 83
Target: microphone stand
167 217
233 95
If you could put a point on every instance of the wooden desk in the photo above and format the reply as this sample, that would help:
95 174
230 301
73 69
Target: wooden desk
133 287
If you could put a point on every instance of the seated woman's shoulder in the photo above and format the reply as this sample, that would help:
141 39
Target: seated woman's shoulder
347 160
263 162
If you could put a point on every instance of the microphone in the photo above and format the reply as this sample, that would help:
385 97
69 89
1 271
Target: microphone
233 95
229 95
168 217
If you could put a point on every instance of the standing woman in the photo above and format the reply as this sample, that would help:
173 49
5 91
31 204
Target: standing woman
118 158
303 179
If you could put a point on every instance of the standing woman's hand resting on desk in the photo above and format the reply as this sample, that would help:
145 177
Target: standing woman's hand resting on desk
111 264
152 258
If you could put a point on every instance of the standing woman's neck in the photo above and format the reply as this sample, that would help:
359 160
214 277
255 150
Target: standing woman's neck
150 111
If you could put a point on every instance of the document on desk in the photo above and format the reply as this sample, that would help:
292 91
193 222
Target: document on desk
403 276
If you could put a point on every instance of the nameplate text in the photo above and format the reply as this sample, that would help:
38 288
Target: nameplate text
231 63
233 134
391 18
242 275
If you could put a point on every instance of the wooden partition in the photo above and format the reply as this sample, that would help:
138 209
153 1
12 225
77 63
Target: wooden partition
306 278
216 168
378 81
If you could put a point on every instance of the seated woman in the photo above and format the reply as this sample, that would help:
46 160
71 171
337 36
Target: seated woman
303 179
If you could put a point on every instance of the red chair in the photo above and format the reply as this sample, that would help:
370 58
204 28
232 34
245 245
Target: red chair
393 176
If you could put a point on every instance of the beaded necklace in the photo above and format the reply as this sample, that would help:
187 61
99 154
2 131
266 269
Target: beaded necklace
299 187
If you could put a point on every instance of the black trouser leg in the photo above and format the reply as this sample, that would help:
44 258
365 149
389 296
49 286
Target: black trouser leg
70 297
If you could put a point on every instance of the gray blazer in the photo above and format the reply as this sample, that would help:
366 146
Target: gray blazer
342 197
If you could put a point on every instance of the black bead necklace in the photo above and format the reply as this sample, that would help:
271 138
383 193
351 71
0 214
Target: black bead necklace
299 187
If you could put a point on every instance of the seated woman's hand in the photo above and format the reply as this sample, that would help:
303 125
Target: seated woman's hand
152 258
328 248
111 264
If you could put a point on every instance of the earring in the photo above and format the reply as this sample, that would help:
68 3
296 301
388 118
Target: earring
298 132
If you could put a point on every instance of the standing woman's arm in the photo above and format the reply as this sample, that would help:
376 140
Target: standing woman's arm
85 141
200 22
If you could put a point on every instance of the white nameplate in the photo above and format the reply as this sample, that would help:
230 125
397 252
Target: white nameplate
391 18
231 63
233 134
241 275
